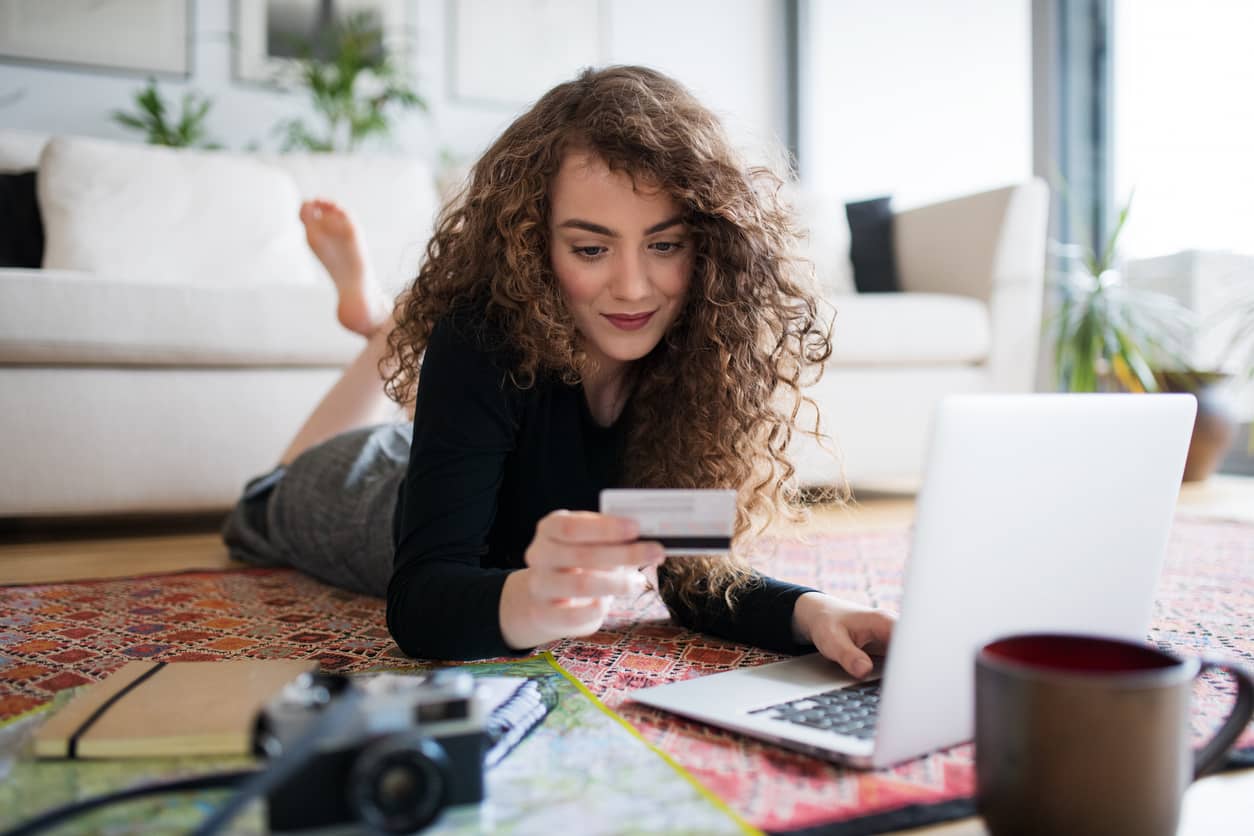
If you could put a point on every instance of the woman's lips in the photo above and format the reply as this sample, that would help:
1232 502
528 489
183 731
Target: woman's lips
629 323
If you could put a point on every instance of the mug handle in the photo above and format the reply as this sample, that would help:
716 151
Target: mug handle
1211 755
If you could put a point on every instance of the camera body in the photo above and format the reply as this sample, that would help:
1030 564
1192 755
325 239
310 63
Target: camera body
406 748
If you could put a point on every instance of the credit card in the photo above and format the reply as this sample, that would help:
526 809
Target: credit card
685 522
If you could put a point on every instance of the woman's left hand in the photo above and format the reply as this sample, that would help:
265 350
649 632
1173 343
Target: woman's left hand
843 632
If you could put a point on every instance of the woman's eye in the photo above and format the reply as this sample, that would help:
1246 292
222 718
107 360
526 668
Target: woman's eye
668 247
588 252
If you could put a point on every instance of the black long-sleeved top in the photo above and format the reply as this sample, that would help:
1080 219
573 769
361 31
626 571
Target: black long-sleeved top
489 460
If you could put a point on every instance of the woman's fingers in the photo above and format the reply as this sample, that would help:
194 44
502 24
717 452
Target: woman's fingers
871 631
848 639
840 648
575 619
576 563
586 527
595 556
585 583
587 540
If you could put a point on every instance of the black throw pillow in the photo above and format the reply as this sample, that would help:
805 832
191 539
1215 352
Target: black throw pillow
21 228
871 245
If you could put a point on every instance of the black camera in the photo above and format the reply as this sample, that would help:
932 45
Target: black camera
407 748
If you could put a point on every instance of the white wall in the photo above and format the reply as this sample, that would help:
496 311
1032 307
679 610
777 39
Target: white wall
729 52
906 97
65 100
916 98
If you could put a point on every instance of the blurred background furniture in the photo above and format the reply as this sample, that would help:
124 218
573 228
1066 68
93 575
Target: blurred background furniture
967 320
1217 286
179 330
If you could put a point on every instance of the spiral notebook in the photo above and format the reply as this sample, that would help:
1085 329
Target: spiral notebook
518 706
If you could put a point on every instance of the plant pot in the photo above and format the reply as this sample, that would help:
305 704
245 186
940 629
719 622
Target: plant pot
1215 426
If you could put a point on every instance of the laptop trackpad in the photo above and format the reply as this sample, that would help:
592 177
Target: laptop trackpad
746 689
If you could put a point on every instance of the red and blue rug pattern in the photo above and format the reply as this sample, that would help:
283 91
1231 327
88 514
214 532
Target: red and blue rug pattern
58 636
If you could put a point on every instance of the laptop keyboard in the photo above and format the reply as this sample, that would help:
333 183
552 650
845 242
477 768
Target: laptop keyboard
851 711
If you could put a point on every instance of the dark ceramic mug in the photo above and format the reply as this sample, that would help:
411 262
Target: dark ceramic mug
1085 735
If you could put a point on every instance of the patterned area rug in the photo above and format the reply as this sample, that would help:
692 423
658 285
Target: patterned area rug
63 635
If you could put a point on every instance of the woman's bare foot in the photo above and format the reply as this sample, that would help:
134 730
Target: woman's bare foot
363 307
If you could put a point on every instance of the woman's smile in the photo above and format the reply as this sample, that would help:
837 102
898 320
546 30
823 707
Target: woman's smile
630 322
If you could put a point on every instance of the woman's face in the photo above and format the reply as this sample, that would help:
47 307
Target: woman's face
623 258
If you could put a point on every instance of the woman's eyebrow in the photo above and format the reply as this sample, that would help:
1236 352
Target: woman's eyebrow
588 226
666 224
598 229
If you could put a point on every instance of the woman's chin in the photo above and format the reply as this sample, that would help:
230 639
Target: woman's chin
628 350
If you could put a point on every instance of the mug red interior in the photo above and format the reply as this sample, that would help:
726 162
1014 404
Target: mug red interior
1078 654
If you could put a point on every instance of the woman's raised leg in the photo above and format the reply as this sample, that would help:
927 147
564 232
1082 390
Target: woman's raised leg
357 398
333 237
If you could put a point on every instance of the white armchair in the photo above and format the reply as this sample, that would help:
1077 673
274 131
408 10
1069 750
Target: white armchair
967 320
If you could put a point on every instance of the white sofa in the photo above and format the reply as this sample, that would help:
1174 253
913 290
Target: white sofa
179 331
967 321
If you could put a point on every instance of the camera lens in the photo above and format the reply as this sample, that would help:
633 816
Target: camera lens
399 783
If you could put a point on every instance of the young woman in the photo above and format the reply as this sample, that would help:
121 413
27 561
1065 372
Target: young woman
610 302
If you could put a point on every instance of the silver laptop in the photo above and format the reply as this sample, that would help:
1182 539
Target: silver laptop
1037 513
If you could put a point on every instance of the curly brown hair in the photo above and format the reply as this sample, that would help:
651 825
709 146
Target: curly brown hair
716 404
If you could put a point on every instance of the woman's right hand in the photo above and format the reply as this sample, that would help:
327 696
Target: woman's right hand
576 563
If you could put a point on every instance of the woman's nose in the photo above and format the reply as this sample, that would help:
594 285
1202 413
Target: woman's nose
631 278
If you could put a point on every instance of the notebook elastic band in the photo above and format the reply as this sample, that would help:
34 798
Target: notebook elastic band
71 749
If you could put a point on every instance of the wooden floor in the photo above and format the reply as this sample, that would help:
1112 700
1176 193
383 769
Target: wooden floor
48 553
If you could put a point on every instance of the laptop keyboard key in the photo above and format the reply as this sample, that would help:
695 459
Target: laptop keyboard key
849 711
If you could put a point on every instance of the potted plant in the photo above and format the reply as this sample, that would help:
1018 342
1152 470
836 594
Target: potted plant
1109 336
355 86
1112 337
160 126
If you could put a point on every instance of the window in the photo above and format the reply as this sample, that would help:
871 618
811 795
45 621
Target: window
1183 132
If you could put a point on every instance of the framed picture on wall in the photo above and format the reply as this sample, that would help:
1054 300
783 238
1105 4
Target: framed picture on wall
271 35
509 52
149 37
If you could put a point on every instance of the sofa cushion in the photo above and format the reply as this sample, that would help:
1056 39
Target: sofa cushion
391 198
871 245
168 215
20 150
909 329
21 230
70 318
826 237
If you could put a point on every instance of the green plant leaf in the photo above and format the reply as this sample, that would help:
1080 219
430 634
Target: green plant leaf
129 121
353 84
1108 253
297 137
1110 334
1134 360
154 118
